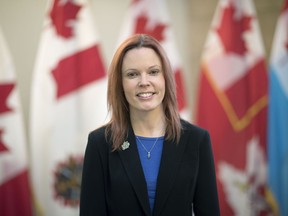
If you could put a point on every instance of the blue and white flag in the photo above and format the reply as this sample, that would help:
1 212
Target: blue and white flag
278 114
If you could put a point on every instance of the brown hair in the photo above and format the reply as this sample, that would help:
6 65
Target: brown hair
119 124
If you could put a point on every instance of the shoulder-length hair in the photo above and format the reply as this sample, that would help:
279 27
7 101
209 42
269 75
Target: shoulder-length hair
119 124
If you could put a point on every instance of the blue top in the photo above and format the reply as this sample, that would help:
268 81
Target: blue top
150 165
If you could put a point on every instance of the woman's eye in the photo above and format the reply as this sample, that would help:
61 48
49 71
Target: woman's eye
131 74
154 72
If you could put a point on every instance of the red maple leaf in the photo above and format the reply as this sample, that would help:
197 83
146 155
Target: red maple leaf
285 7
5 90
135 1
3 148
156 31
231 30
285 10
61 15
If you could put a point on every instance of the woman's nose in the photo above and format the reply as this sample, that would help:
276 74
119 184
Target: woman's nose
144 80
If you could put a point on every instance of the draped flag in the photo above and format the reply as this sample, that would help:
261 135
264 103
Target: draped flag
15 195
151 17
278 114
68 101
232 105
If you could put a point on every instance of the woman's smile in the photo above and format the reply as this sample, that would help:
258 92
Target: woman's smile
145 95
143 80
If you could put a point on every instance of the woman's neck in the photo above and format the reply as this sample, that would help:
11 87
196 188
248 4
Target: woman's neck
149 125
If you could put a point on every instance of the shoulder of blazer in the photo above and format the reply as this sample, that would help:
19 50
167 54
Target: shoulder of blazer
188 127
98 138
99 132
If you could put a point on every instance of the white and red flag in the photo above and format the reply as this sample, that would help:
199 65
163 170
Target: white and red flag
15 195
232 105
151 17
68 101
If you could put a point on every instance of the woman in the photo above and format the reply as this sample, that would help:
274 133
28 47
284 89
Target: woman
146 160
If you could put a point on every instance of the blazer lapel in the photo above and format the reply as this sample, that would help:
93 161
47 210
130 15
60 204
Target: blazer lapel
132 164
171 158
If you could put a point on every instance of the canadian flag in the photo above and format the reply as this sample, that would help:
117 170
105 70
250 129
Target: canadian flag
68 101
232 105
151 17
15 196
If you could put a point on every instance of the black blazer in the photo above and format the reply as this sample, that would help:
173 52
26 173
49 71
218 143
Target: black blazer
113 183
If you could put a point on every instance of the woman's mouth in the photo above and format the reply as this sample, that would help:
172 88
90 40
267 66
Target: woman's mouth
145 95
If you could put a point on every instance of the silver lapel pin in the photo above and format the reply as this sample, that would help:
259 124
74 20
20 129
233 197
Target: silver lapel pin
125 145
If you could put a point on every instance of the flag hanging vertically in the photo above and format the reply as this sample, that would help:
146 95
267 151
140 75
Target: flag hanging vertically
232 105
278 114
68 101
15 195
151 17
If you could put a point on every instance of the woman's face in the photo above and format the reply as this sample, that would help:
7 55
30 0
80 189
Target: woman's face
143 80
